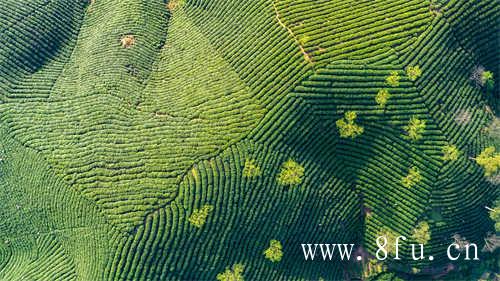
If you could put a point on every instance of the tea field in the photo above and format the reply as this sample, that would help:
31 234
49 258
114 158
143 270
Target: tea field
208 139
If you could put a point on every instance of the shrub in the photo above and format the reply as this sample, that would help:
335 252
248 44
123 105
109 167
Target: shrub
483 78
291 173
415 129
173 4
236 274
391 239
251 169
127 41
421 233
487 80
413 178
393 79
275 251
450 152
489 160
304 39
199 216
413 72
347 127
382 97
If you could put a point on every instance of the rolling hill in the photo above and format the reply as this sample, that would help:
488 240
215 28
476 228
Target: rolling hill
175 140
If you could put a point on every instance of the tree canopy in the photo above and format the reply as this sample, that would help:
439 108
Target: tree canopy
275 251
489 160
347 126
291 174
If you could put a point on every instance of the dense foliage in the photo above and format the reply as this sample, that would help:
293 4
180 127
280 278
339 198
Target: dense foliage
173 140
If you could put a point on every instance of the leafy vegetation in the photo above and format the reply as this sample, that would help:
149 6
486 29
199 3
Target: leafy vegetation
413 178
347 126
393 79
391 236
382 97
422 233
413 72
415 129
199 216
134 114
450 152
275 251
234 274
292 173
489 159
251 170
487 80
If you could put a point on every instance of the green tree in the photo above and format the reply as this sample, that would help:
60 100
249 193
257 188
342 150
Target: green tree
422 233
346 126
390 236
487 80
275 251
450 152
199 216
393 79
236 274
292 173
251 169
489 160
413 72
415 129
413 178
382 97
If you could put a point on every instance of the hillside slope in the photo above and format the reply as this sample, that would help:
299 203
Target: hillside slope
120 119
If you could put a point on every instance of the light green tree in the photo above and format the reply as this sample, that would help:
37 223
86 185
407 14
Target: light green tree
347 126
393 79
275 251
415 129
390 236
412 179
450 152
487 80
236 274
413 72
382 97
489 160
251 169
292 173
422 233
199 216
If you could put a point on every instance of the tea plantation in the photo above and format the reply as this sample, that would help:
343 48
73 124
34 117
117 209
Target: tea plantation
209 139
